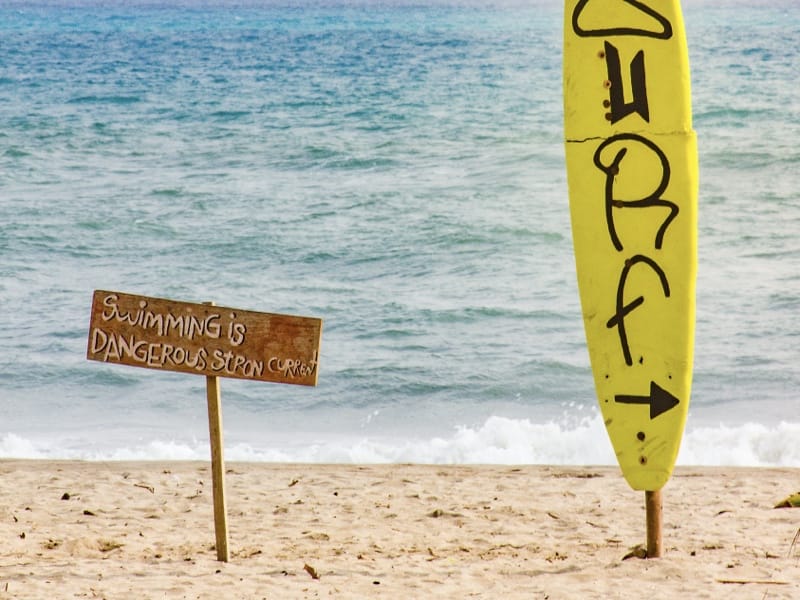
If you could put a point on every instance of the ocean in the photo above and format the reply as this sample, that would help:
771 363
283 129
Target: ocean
395 168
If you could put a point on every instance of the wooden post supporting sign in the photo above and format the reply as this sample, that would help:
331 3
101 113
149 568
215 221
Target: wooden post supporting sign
214 400
217 466
204 339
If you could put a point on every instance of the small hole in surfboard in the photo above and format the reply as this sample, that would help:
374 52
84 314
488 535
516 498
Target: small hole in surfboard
642 460
640 436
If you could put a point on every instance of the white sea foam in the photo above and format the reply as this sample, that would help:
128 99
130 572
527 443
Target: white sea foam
499 440
750 444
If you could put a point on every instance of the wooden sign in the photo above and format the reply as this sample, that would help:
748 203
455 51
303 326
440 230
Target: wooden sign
210 340
202 339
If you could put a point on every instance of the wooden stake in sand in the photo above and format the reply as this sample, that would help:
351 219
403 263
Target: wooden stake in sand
653 506
217 466
210 340
213 396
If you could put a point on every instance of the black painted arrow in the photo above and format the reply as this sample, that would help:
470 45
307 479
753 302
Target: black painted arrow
660 400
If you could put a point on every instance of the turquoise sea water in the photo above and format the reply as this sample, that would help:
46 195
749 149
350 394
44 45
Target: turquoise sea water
396 169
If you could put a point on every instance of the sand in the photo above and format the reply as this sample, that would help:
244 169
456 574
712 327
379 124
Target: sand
146 530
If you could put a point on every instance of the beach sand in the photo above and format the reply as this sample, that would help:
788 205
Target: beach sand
146 530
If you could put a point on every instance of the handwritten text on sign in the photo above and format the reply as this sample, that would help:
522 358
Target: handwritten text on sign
611 153
202 339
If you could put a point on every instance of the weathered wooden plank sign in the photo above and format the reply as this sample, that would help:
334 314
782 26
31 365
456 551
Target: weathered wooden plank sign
210 340
202 339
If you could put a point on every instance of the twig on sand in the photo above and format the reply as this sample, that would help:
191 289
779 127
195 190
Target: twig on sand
311 571
756 581
794 543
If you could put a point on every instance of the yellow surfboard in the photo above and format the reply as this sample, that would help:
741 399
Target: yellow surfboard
631 159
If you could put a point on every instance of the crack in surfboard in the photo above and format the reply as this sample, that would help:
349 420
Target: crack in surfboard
600 138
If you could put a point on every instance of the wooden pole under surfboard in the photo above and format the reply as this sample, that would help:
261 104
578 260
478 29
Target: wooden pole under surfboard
632 172
653 502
